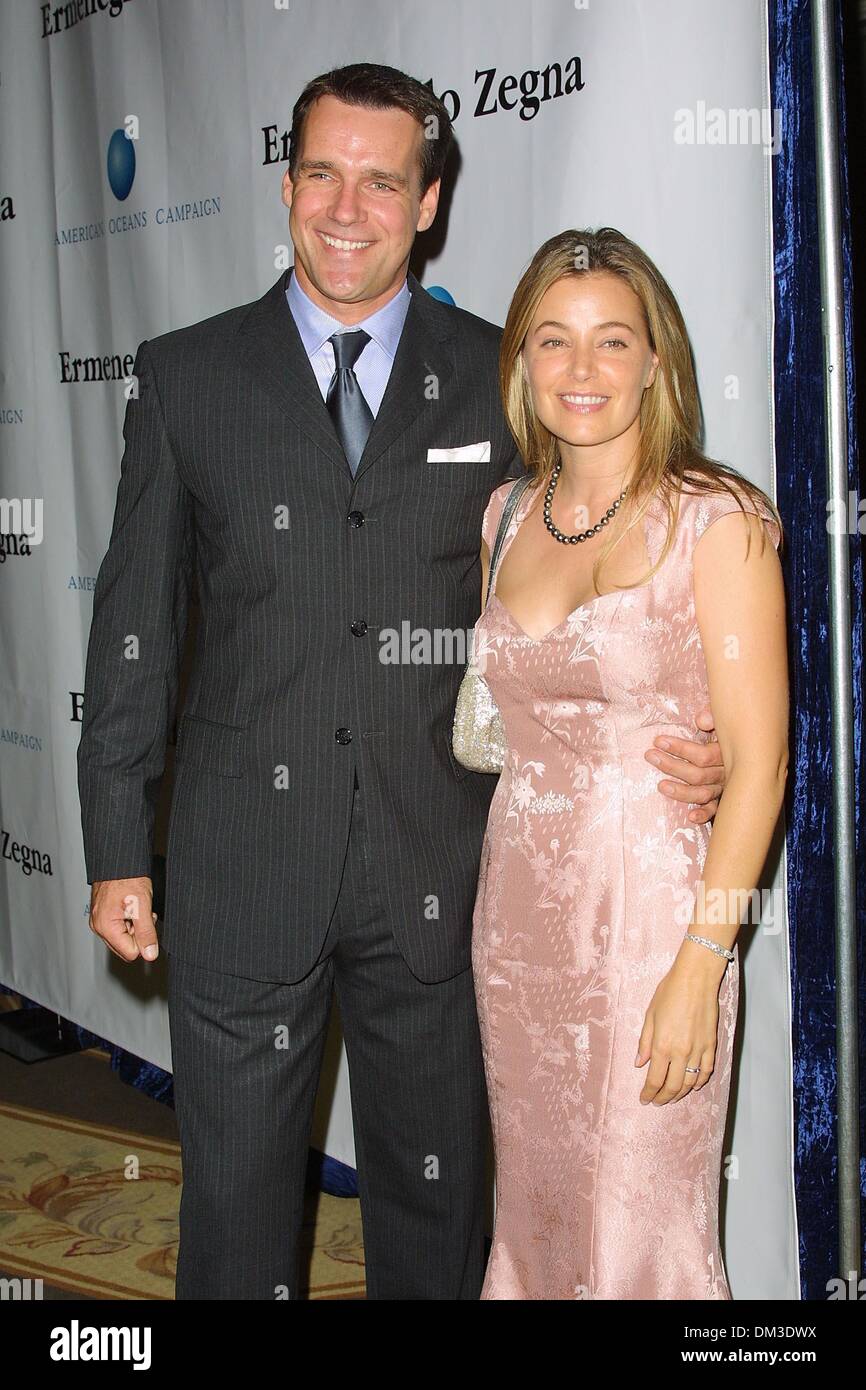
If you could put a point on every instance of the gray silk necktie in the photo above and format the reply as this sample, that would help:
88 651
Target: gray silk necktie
352 417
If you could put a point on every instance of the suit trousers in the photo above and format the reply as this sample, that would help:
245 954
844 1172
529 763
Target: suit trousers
246 1061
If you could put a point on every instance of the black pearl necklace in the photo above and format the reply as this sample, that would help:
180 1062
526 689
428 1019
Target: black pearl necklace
582 535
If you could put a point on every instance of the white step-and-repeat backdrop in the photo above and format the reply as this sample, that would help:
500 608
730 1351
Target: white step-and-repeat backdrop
647 115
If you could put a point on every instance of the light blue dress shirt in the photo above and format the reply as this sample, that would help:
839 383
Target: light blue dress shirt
373 367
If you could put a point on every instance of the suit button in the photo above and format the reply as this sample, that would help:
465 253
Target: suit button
356 518
359 627
343 735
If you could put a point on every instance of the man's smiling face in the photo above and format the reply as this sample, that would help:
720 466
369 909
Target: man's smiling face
355 205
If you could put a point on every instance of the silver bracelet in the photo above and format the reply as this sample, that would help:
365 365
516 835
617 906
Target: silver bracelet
712 945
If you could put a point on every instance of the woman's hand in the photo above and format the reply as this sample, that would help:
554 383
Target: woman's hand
681 1029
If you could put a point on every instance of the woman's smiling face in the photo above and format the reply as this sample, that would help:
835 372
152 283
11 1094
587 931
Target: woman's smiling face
588 358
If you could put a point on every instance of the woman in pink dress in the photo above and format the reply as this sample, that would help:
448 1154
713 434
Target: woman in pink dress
634 586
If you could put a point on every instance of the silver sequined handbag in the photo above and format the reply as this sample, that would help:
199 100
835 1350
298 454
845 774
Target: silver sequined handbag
478 737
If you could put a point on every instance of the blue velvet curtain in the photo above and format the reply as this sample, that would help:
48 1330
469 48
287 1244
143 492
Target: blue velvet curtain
801 496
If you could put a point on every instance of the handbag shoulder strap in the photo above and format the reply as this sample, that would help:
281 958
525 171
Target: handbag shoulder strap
511 502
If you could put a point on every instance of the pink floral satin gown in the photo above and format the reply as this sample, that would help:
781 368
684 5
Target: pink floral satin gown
588 876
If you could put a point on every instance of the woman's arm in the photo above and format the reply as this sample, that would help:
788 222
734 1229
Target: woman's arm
740 611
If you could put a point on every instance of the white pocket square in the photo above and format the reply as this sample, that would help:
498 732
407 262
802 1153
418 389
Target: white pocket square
463 453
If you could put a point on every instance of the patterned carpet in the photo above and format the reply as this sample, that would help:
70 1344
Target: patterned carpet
94 1210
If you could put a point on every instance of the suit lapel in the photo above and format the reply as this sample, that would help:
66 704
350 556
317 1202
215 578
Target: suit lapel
422 365
270 348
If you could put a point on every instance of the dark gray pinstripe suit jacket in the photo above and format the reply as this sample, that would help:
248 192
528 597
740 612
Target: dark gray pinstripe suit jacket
230 428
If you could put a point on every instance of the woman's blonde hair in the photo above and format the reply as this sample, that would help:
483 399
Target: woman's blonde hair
669 453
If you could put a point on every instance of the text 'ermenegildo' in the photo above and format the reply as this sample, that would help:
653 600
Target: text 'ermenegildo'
495 93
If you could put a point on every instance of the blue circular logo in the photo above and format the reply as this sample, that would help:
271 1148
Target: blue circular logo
440 292
121 165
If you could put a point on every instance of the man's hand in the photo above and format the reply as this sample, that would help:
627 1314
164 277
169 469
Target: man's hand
697 766
120 912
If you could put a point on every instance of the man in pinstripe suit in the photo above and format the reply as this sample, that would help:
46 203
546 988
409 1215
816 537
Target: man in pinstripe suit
322 836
